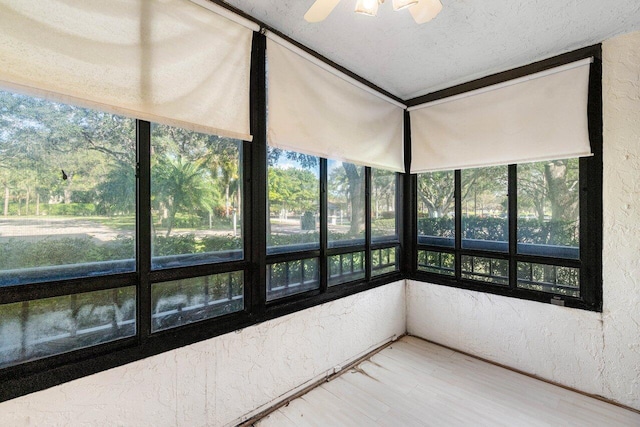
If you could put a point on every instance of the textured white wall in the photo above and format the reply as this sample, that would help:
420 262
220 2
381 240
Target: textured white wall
621 268
215 382
593 352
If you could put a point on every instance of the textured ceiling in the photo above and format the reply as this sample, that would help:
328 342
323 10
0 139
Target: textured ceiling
468 40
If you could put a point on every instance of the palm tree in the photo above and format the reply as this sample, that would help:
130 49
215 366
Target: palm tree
183 185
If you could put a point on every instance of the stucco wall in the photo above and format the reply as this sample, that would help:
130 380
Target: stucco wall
216 382
593 352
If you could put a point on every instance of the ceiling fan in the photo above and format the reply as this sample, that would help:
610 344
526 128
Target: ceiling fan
421 10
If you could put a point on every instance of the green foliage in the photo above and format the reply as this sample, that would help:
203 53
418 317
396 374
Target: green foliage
292 189
189 244
308 221
495 229
70 209
379 225
17 254
293 239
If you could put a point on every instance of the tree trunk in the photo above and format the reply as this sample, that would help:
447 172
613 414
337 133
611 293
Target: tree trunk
27 201
356 183
226 201
6 200
37 204
67 196
170 219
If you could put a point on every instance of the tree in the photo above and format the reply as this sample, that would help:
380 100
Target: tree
562 181
436 193
182 185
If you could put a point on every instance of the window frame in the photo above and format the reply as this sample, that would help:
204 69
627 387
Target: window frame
590 194
34 375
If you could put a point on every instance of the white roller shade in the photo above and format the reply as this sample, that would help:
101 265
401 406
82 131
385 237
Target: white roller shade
314 111
168 61
539 117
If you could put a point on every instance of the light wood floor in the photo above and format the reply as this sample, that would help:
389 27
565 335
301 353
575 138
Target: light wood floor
416 383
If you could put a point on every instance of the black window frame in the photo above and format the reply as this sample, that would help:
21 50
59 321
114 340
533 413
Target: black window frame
590 194
34 375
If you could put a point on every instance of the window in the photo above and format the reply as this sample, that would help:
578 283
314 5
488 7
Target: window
517 230
67 178
293 201
196 198
74 244
309 250
68 212
384 222
346 204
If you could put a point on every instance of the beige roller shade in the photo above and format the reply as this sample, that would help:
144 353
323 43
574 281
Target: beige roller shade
315 111
169 61
539 117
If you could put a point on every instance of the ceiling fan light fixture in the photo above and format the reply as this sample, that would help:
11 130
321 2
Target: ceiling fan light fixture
367 7
402 4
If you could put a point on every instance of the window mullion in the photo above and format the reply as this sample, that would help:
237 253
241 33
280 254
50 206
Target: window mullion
513 225
143 215
458 221
257 191
324 264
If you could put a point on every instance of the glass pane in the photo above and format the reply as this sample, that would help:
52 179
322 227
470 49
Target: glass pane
34 329
180 302
67 188
488 270
292 277
293 202
346 268
436 209
345 206
485 223
549 278
196 198
437 262
384 261
549 209
383 205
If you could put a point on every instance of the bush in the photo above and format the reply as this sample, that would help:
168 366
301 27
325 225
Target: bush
17 254
176 244
221 243
496 229
307 221
71 209
388 215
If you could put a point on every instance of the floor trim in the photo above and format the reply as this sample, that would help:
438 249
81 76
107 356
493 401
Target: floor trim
262 414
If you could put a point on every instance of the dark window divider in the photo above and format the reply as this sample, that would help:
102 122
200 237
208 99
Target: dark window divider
13 294
385 245
324 223
367 224
292 256
191 271
406 205
512 215
458 223
143 229
345 250
256 182
591 170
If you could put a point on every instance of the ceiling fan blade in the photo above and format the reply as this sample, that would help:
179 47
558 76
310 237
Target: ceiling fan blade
425 10
320 10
